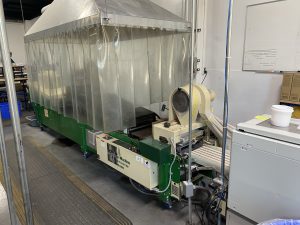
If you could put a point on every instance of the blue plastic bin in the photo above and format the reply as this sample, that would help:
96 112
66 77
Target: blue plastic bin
281 222
4 108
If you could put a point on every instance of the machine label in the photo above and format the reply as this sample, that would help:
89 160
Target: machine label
114 156
119 156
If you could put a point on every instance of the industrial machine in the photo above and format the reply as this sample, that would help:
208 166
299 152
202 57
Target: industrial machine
156 153
264 171
94 70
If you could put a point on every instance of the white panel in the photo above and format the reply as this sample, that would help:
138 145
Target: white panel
235 219
272 41
124 160
250 93
15 33
264 182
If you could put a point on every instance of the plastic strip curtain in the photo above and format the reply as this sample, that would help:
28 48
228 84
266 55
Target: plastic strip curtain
100 74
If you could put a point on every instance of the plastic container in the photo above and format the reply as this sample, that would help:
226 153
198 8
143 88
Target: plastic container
281 115
281 222
4 108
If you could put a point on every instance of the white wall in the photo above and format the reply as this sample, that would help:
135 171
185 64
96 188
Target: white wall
176 7
15 33
250 93
29 23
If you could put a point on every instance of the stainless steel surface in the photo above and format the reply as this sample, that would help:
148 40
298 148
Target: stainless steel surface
190 218
67 15
292 128
11 92
6 176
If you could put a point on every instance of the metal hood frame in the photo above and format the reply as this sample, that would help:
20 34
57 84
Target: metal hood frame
64 15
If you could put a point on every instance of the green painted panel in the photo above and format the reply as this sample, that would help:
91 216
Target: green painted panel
149 148
65 126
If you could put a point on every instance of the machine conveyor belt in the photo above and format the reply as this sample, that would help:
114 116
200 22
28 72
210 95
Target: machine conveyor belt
210 156
58 196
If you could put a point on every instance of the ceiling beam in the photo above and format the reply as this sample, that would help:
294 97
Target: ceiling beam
31 8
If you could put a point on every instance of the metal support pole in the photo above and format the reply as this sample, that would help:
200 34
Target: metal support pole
11 93
12 212
187 10
225 110
190 219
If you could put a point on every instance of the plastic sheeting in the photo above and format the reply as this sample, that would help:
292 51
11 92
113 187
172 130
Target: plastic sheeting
100 74
65 15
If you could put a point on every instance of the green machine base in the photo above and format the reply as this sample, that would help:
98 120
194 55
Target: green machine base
148 148
63 125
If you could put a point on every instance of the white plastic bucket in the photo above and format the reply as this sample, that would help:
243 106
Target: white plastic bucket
281 115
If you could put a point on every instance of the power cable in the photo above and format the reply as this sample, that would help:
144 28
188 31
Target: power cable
170 170
22 13
141 191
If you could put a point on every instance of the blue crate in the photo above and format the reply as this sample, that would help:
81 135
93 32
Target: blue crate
4 108
281 222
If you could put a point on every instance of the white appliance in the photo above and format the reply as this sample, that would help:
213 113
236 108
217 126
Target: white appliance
264 178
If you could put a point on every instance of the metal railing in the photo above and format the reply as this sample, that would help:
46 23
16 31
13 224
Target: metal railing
12 99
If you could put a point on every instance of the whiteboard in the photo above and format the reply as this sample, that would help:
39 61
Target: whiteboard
272 36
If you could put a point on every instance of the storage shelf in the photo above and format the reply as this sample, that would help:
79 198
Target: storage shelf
290 103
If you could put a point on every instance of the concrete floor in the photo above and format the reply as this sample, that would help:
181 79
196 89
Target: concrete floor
111 185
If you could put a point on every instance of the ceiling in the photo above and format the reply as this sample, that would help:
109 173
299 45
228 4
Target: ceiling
31 8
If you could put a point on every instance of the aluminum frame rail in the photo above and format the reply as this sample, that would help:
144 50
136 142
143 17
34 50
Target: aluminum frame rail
190 217
225 110
6 176
12 99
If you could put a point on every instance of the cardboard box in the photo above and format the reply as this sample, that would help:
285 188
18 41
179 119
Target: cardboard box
296 113
295 89
286 86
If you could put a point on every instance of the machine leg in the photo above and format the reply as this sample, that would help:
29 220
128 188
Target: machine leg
86 154
167 204
42 127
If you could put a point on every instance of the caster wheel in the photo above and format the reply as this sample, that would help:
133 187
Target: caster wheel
167 205
86 155
42 128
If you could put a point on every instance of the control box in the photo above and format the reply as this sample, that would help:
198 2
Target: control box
123 157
